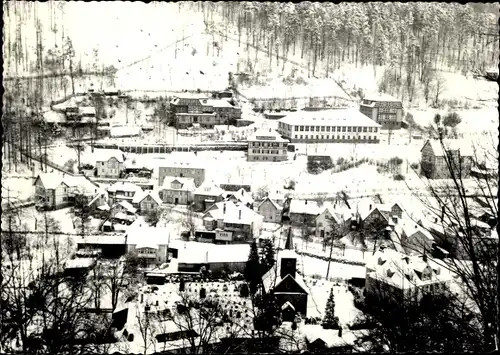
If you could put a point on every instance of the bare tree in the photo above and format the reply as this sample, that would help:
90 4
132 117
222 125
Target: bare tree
452 209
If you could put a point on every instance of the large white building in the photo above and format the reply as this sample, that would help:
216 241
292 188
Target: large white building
329 126
267 146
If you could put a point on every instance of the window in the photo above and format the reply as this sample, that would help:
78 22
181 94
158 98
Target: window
348 129
327 136
307 128
338 129
369 129
343 129
307 136
364 137
343 137
338 137
322 128
301 128
348 137
364 129
296 128
375 129
322 137
316 136
301 136
328 128
312 128
296 136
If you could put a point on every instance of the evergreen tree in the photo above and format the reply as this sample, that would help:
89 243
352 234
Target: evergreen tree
182 285
253 274
329 320
267 259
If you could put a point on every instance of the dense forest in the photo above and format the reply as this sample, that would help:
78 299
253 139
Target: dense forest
411 40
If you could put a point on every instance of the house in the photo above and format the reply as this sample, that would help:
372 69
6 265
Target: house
177 190
109 246
99 202
110 163
149 243
270 210
206 195
184 165
383 109
325 220
124 212
230 222
189 109
303 212
395 277
284 281
267 146
381 215
122 191
55 190
147 201
434 157
319 340
219 259
239 196
329 126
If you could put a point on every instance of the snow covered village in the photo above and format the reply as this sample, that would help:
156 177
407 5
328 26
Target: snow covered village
249 177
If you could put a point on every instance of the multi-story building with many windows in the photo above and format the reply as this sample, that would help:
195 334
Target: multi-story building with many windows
383 109
267 146
329 126
190 109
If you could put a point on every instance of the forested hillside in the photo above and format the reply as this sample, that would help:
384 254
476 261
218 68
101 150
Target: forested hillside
412 41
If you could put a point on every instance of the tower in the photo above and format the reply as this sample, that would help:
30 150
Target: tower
288 261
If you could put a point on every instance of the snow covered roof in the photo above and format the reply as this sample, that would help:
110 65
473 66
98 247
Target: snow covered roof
200 253
141 195
336 117
87 110
103 155
182 160
147 235
79 263
124 186
124 131
127 206
381 97
403 271
266 135
328 209
313 332
219 103
53 180
186 184
209 189
304 207
240 195
450 144
116 238
278 207
54 117
231 212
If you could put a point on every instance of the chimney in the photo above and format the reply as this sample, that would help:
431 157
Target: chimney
305 202
239 214
370 207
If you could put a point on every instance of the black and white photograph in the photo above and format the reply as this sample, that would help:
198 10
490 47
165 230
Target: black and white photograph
249 177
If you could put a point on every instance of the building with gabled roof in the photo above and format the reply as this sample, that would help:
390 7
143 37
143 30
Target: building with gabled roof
147 201
267 146
303 212
284 281
206 195
184 165
177 190
122 191
436 160
239 196
326 219
383 109
395 276
270 210
109 163
55 190
230 222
